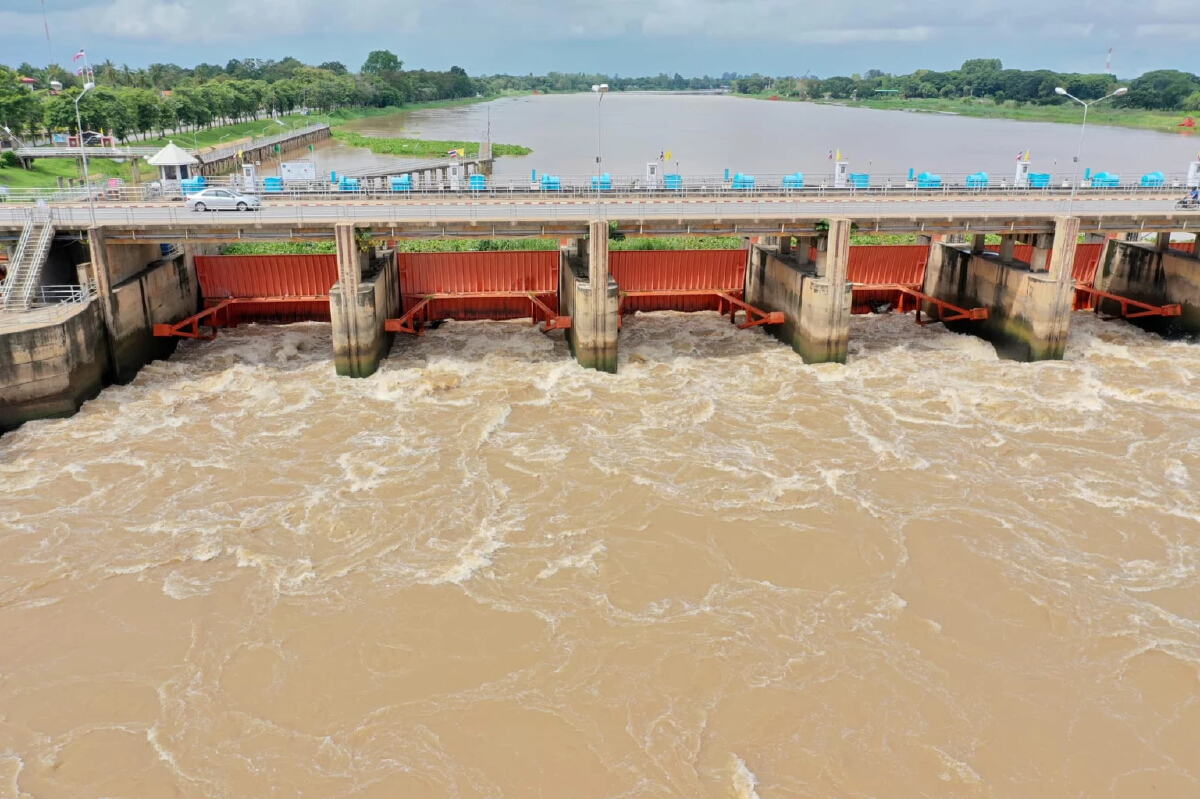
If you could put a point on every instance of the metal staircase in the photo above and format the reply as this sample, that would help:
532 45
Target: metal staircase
25 267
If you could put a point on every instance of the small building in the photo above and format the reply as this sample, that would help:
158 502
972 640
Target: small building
173 162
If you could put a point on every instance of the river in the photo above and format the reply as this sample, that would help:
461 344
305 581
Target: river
708 134
485 572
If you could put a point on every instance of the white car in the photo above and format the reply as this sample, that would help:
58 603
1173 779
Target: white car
222 200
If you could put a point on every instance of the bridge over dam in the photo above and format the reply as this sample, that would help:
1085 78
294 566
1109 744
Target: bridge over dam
93 294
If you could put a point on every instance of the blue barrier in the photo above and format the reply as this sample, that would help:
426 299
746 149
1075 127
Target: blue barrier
673 182
347 184
603 182
743 182
477 183
402 183
1154 180
977 181
859 180
1105 180
273 185
925 180
1039 180
193 185
551 183
794 180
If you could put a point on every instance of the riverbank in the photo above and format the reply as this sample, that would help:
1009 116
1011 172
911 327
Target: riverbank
47 171
1162 121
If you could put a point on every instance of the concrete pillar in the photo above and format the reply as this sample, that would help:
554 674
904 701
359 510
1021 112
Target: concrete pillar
785 244
1061 264
925 239
593 299
826 302
1007 247
802 252
136 179
1163 242
978 243
356 312
100 273
1042 244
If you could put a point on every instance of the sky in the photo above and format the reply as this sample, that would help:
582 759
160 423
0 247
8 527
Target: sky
625 37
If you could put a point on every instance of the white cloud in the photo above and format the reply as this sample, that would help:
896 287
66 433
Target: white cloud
253 26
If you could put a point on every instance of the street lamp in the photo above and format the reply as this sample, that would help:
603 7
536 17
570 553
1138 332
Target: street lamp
600 89
87 180
1079 153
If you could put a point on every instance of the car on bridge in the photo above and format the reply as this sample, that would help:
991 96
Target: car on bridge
222 200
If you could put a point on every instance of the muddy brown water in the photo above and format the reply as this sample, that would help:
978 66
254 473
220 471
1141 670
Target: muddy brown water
485 572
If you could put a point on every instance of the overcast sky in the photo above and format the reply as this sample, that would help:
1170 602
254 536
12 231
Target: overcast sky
626 37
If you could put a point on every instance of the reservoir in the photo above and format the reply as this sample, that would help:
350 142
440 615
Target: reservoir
708 134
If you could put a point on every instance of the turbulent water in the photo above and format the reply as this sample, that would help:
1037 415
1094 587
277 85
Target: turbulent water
484 572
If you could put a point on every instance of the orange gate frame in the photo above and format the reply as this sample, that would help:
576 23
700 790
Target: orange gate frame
220 315
754 316
414 320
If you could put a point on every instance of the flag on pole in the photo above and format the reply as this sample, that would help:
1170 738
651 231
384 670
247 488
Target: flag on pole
1027 152
831 155
78 55
839 154
668 155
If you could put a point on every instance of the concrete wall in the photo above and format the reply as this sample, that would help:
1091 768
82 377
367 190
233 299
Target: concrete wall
1147 274
50 369
360 343
163 292
1028 313
776 283
593 298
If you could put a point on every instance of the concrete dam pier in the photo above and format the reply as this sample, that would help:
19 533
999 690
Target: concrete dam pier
135 296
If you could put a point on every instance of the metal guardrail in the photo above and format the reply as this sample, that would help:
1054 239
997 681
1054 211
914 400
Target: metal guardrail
267 141
51 304
579 188
93 151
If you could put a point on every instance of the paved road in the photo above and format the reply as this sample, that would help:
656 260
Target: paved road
296 212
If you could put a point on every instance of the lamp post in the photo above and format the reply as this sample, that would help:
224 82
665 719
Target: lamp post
600 89
87 180
1082 128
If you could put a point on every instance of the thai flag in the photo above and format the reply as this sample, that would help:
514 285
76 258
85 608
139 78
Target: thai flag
79 71
78 55
831 155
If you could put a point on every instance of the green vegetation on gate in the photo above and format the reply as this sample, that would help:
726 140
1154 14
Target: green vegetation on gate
421 147
404 245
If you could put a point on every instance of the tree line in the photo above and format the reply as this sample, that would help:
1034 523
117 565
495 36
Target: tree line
146 102
986 78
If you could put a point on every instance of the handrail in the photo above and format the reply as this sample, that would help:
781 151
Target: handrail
14 263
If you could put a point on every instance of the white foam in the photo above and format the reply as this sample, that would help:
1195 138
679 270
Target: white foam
745 783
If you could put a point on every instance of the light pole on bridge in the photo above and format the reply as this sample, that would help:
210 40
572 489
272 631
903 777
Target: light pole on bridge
1082 128
87 180
600 89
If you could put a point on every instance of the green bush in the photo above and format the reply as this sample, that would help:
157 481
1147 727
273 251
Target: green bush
9 159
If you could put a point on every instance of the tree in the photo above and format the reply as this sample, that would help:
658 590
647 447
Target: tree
18 105
336 67
1192 102
381 62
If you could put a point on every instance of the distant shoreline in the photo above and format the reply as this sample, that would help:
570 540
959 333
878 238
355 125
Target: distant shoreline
1160 121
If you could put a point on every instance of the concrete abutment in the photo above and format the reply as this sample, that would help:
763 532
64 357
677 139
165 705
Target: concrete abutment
1029 310
815 299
